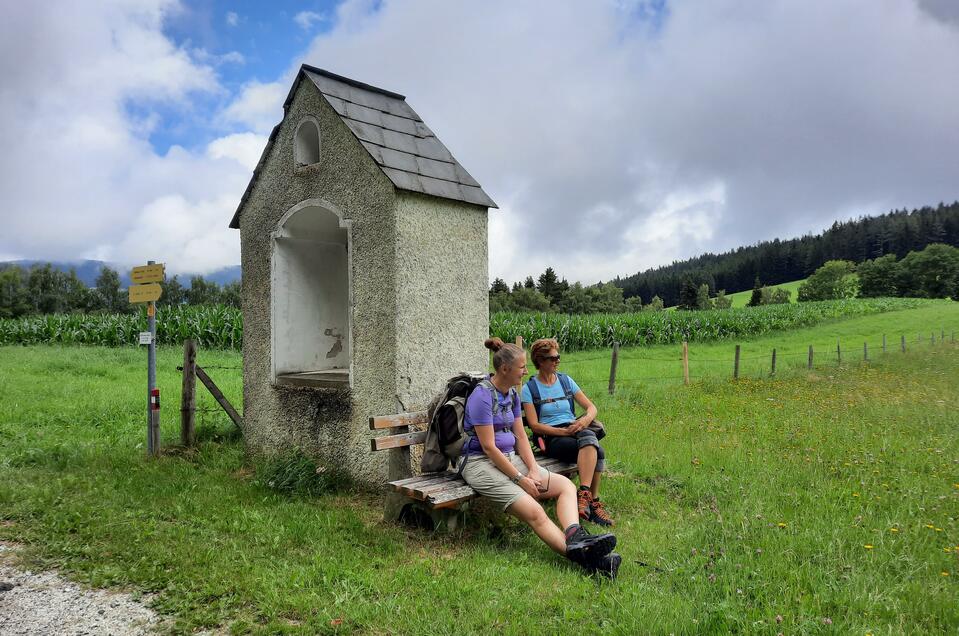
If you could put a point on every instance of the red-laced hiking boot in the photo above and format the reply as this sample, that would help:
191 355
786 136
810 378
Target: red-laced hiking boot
583 500
598 514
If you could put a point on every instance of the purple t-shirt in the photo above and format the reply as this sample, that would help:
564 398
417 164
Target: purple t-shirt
479 412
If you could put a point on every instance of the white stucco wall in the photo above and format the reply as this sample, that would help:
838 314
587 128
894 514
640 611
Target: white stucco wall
442 302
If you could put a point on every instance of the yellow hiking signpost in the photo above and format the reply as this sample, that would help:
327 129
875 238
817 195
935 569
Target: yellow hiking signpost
145 293
148 273
146 289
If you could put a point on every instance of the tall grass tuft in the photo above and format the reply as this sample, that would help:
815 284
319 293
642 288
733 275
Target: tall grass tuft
297 474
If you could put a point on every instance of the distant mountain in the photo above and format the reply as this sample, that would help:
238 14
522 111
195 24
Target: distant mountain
87 271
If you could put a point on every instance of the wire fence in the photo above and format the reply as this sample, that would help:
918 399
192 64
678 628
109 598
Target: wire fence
632 368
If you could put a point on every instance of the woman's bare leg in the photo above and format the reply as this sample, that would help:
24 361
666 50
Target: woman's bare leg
564 492
528 510
594 485
586 462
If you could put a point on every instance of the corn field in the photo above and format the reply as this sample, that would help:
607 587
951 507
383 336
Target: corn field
596 331
212 326
221 327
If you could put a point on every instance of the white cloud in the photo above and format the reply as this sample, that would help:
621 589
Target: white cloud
232 19
306 19
78 175
589 120
259 105
613 136
244 148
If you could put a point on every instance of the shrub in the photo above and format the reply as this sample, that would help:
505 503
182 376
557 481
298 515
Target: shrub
833 281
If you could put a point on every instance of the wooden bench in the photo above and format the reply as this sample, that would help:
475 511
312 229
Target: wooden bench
440 496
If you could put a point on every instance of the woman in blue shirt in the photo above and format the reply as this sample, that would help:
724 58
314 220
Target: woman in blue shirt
565 436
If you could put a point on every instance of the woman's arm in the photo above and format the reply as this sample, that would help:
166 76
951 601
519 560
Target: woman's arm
586 418
487 440
524 450
541 429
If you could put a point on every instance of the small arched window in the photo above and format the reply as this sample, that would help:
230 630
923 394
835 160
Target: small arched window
306 144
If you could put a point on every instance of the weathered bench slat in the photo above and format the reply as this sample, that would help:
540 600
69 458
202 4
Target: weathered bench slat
402 419
419 489
397 441
453 497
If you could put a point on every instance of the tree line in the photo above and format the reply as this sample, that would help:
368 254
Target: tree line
896 233
44 289
550 293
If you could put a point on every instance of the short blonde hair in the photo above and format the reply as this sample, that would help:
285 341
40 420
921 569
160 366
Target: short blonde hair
541 349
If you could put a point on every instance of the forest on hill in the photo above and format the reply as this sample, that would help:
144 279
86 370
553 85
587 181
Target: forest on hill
897 232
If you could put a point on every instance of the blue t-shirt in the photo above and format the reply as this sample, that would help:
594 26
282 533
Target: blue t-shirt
557 412
479 412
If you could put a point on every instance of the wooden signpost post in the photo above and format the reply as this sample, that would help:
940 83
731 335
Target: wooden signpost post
146 289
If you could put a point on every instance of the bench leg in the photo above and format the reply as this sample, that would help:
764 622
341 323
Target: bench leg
395 503
400 508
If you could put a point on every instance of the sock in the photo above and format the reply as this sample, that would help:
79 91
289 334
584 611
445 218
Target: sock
584 487
571 530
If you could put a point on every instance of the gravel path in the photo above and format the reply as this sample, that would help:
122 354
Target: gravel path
46 603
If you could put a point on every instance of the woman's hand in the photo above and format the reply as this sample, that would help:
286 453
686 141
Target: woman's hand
577 425
530 485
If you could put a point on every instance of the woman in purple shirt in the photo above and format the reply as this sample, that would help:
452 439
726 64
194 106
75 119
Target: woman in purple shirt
498 463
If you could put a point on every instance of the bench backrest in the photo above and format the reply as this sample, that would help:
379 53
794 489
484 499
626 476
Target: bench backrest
399 425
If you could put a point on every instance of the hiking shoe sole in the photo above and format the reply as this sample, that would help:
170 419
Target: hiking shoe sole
589 550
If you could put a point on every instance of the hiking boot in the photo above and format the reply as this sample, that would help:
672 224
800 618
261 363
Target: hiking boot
608 566
583 500
598 514
587 549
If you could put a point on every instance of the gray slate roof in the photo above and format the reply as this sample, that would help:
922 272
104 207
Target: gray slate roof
407 151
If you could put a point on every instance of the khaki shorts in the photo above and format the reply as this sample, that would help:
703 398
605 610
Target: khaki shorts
489 481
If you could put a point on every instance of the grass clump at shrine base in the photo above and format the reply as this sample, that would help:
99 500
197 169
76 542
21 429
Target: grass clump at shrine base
812 502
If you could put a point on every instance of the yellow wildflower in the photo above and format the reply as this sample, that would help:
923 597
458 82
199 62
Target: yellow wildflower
781 524
868 546
893 529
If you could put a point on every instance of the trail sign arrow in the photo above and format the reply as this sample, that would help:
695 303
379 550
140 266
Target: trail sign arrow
145 293
148 274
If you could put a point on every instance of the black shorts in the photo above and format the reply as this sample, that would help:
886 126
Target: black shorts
566 449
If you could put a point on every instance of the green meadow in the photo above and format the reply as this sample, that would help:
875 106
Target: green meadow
819 501
741 299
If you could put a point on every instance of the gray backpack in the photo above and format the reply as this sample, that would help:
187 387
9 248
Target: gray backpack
445 435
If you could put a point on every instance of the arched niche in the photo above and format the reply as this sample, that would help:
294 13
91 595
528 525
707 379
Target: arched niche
311 297
306 143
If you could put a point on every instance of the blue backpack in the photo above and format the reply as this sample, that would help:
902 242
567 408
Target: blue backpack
538 401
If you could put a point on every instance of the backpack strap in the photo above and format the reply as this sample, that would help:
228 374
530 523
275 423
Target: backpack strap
564 382
496 406
568 391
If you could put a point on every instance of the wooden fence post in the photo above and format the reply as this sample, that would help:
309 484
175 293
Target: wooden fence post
685 363
188 399
736 365
838 353
773 372
809 364
612 368
902 342
519 341
865 352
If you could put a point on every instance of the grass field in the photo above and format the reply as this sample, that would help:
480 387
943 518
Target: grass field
740 299
822 502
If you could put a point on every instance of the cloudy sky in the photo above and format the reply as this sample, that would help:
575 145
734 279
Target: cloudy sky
614 135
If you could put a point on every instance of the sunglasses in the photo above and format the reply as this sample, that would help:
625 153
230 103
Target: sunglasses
552 358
